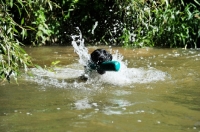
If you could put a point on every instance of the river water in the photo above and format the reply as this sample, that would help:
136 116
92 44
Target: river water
156 90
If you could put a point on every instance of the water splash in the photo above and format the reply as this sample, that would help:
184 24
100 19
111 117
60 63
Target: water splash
68 76
80 49
125 76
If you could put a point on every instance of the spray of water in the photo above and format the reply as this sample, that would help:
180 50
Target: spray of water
80 49
68 77
124 76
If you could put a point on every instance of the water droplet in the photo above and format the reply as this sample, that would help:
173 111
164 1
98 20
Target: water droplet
158 122
94 104
28 113
58 108
123 108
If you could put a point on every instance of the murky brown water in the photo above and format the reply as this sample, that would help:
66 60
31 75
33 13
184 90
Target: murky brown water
59 102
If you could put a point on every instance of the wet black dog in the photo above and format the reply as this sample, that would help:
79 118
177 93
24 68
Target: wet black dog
99 56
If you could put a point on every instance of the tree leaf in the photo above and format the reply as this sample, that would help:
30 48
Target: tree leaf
22 21
8 31
11 3
30 27
50 5
19 10
197 2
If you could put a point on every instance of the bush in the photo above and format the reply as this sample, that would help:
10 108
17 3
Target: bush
135 23
172 27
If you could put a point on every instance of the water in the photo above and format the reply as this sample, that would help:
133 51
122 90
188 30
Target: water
155 90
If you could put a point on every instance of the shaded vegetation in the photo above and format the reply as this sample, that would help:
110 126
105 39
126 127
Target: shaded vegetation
135 23
138 23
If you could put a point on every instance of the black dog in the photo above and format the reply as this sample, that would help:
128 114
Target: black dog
99 56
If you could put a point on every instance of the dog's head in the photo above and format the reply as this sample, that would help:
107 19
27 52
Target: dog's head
99 56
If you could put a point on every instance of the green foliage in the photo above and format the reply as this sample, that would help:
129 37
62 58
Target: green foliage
174 28
135 23
53 65
12 56
166 25
157 23
43 31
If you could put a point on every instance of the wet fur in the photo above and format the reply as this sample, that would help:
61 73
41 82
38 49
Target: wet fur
99 56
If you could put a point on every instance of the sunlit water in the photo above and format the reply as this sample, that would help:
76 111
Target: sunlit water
155 90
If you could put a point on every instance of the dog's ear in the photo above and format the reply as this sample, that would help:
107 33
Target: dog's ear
95 56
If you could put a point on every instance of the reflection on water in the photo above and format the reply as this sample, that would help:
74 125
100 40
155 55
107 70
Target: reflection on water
155 90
